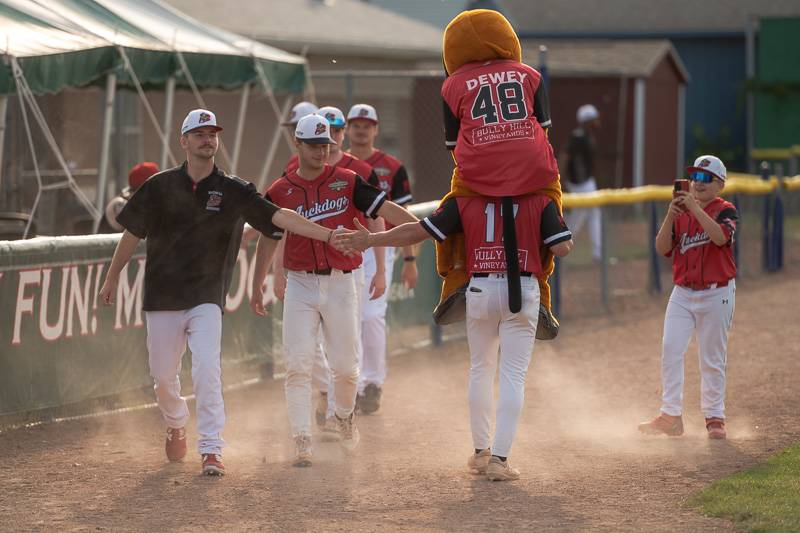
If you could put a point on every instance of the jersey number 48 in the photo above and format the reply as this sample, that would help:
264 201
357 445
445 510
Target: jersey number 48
508 96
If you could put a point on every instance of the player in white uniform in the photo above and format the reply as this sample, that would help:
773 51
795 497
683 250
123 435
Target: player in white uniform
362 130
320 290
698 234
490 323
192 217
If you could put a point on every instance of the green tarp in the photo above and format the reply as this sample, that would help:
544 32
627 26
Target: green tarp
75 43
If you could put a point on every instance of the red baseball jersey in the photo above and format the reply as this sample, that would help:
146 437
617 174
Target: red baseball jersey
479 218
495 115
347 161
331 200
696 261
392 176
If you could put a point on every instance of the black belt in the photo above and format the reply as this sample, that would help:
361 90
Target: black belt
487 274
325 271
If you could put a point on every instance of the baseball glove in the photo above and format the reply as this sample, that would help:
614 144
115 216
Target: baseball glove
453 308
547 326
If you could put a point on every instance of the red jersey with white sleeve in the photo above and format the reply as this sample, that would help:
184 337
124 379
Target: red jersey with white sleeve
496 113
478 217
696 261
331 200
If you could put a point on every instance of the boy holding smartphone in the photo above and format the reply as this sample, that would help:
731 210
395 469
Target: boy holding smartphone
698 234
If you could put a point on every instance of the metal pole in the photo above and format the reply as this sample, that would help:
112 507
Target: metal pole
3 113
237 146
765 230
436 334
604 257
102 174
349 90
655 267
169 105
750 74
273 146
777 223
638 132
681 130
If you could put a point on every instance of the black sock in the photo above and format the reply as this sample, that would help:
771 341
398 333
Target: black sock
501 458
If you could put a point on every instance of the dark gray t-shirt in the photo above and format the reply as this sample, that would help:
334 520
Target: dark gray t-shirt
193 232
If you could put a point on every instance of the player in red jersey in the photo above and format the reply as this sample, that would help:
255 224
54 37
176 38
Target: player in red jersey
362 130
321 289
698 234
490 324
321 374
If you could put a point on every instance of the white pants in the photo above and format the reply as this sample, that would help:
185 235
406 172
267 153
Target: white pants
710 313
577 217
321 373
490 325
167 335
312 302
373 323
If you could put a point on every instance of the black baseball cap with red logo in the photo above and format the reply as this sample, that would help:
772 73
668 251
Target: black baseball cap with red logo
313 129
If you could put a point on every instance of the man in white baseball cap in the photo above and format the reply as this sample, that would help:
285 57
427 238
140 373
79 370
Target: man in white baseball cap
579 173
313 129
199 118
299 111
363 111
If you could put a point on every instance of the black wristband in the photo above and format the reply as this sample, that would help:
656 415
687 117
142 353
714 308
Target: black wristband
410 258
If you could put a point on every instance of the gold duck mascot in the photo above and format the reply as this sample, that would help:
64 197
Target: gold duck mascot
486 36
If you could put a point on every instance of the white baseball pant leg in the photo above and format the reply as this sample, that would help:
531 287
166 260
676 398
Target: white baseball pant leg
167 336
577 217
710 312
373 323
311 301
321 373
490 325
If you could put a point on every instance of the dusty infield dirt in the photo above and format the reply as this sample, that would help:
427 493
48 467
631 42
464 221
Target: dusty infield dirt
584 466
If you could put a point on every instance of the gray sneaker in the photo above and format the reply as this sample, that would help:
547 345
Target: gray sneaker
348 432
498 470
302 451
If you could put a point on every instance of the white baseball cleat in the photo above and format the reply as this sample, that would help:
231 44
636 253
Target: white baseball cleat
498 470
478 462
349 432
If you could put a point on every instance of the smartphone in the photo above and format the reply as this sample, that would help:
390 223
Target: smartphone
680 185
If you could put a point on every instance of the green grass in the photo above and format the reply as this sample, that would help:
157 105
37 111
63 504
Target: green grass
763 498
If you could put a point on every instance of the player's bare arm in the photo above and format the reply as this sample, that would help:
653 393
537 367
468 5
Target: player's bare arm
264 253
396 215
664 235
711 226
123 253
562 249
296 223
278 272
361 239
377 285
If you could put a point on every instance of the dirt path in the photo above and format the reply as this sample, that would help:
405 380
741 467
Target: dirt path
584 466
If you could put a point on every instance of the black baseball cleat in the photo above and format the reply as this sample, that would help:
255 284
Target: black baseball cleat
371 400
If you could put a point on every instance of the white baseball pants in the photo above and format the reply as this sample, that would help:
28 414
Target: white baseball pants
321 373
490 325
373 323
576 218
167 335
311 302
710 313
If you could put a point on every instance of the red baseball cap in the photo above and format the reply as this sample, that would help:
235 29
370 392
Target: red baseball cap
140 173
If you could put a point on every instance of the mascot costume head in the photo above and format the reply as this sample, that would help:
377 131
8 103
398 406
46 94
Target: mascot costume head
484 35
